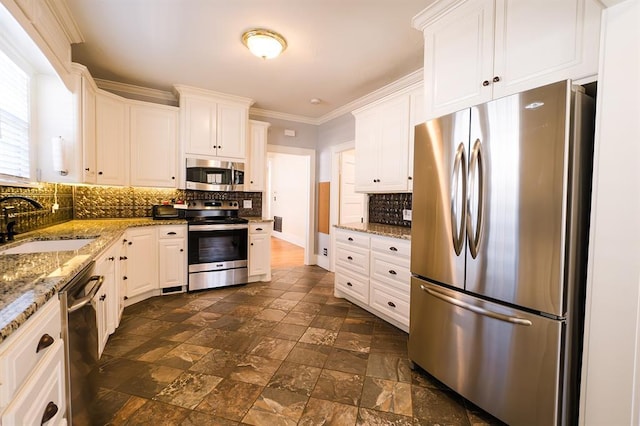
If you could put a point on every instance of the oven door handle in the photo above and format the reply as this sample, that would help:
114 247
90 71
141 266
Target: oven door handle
217 227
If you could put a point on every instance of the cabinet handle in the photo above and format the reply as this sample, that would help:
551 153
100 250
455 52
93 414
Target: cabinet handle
392 272
130 242
181 250
104 296
349 284
251 243
111 258
250 181
171 233
258 229
100 173
496 79
485 83
349 257
49 412
124 240
409 178
86 169
45 342
393 248
350 239
123 258
173 177
393 305
124 278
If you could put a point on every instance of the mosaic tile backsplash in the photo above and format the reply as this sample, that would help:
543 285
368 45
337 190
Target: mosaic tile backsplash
103 202
27 217
387 208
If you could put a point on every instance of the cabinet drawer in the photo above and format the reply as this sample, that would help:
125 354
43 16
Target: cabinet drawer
353 259
170 231
389 302
352 239
392 246
260 228
394 271
43 391
353 285
20 354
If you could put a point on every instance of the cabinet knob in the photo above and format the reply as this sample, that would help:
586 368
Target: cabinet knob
86 169
392 272
104 296
251 244
496 79
349 257
485 83
130 243
49 412
181 250
111 258
124 278
44 343
349 284
409 178
123 257
350 239
99 173
173 177
393 305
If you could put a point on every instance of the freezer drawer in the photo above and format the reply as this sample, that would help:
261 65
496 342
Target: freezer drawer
509 369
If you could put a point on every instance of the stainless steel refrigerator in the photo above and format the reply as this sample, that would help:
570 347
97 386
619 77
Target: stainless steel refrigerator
499 238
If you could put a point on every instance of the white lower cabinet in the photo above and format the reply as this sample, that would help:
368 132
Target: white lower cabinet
374 272
142 263
172 256
259 256
32 370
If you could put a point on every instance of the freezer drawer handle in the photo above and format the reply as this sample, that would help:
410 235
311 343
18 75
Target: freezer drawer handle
476 309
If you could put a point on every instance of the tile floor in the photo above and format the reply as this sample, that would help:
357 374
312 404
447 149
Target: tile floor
280 353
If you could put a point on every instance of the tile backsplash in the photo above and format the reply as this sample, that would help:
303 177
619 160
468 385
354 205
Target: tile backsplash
387 208
27 217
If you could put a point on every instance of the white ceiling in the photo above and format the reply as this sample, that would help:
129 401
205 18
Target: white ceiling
339 50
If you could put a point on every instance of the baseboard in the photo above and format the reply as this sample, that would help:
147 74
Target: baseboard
289 238
323 262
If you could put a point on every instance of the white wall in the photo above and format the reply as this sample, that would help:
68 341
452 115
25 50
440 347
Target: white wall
290 188
611 377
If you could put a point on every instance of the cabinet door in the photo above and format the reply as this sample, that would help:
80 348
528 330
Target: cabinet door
172 262
112 140
458 58
416 116
87 123
232 131
200 126
393 153
367 151
257 155
142 260
153 131
106 266
259 254
102 317
541 42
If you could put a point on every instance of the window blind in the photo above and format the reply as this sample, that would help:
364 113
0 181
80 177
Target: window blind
14 121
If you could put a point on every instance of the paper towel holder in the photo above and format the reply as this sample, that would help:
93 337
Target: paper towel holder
57 148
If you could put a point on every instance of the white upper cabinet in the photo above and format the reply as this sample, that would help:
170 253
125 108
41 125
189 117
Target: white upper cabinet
213 124
257 156
383 132
478 50
112 139
154 139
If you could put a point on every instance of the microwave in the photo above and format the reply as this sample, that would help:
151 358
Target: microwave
214 175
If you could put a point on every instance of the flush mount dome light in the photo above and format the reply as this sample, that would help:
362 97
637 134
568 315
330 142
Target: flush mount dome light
263 43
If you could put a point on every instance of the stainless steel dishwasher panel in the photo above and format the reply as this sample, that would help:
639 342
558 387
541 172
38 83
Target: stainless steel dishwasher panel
80 334
502 359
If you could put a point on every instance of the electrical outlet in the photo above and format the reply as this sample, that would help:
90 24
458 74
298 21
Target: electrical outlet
246 204
324 251
54 207
406 214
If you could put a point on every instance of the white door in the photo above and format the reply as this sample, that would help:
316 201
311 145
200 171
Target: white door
352 204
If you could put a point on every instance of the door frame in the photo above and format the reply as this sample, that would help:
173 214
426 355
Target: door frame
310 258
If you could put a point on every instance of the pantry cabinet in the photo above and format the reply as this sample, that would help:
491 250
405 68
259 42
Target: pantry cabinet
478 50
257 155
213 124
112 139
154 144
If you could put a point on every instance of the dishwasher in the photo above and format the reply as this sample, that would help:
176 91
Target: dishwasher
80 334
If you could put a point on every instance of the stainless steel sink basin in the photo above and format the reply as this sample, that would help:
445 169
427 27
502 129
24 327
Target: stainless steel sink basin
47 246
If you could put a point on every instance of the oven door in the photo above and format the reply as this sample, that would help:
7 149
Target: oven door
217 247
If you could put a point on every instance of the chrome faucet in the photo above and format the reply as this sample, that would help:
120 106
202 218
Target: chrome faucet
9 215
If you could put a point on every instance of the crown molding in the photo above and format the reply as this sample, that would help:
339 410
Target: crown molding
62 13
137 91
284 116
182 89
433 12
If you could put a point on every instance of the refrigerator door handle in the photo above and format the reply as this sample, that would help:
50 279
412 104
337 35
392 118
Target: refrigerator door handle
457 223
476 177
476 309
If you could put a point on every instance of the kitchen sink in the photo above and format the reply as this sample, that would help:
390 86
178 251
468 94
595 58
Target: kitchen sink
47 246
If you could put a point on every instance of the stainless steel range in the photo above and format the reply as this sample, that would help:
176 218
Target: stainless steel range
217 249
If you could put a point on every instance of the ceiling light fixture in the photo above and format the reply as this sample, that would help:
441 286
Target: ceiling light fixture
265 44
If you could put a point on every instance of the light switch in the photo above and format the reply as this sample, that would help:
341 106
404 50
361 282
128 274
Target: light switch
406 214
246 204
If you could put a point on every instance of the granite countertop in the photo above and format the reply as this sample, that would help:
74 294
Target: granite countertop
28 281
378 229
257 219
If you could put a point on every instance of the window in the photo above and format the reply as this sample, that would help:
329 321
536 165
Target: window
14 121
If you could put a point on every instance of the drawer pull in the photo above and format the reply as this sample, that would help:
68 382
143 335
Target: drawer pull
349 257
104 296
123 257
171 233
258 229
349 284
45 342
393 305
350 239
49 412
393 248
392 272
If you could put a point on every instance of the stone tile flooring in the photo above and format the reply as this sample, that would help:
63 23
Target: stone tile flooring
280 353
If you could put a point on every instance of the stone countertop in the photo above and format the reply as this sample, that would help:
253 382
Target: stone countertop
257 219
29 280
378 229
